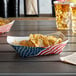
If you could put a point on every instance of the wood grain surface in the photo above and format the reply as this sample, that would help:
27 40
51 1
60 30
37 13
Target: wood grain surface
11 62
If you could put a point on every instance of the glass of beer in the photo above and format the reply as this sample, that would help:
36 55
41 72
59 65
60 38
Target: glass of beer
73 16
62 11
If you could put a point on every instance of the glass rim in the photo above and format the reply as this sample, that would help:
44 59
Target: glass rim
59 2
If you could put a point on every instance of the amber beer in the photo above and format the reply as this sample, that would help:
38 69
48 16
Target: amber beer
62 15
73 16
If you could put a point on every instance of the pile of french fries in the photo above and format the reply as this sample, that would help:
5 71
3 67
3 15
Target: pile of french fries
39 40
4 21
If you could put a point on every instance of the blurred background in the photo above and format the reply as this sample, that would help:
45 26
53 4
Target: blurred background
44 7
25 8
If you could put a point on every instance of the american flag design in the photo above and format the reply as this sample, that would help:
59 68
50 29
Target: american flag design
7 27
25 51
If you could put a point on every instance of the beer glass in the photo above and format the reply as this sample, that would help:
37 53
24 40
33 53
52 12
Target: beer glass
62 11
73 16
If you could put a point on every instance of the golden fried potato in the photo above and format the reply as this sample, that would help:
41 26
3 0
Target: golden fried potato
59 40
24 43
52 40
31 44
34 38
4 21
39 40
45 40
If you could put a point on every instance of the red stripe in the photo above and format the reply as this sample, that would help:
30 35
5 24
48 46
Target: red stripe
44 50
53 52
56 52
63 45
5 28
59 52
56 47
47 49
60 49
50 53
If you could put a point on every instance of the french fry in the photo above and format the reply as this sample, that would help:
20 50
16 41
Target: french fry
24 43
39 40
4 21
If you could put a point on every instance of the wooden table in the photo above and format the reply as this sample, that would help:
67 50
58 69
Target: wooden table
12 64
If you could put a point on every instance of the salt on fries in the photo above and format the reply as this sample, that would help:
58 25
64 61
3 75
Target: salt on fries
39 40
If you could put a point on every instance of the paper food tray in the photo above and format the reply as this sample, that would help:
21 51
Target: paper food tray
25 51
7 27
